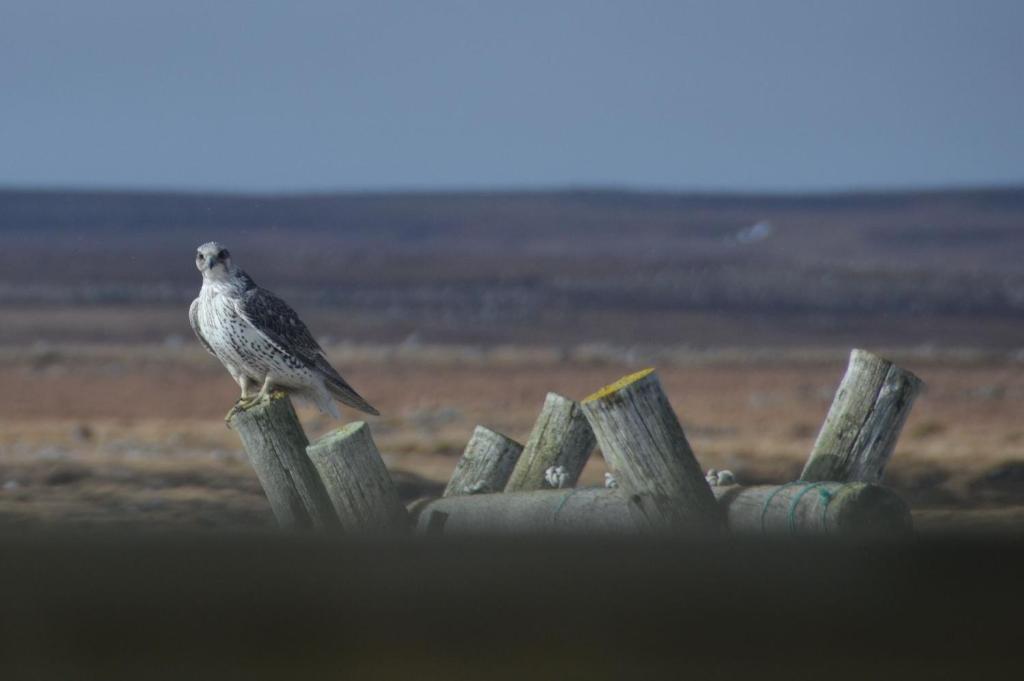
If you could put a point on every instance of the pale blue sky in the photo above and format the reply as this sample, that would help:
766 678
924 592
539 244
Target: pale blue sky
311 95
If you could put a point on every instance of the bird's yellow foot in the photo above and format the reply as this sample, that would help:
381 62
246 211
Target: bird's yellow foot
267 397
242 404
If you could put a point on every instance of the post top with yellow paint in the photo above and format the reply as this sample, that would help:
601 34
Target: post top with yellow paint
618 385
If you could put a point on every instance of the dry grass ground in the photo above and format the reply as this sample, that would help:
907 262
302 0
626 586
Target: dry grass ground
94 435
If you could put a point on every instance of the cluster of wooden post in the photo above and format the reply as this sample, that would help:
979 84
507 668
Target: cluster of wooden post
501 486
339 481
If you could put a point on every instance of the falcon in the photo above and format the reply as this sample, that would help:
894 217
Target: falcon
260 340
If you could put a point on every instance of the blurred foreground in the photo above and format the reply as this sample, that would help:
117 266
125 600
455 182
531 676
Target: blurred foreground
272 606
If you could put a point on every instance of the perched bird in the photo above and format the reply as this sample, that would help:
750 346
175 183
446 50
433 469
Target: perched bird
260 340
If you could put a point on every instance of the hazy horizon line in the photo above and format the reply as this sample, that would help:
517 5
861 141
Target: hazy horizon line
512 190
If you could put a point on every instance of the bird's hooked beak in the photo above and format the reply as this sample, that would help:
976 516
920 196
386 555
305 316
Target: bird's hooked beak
211 260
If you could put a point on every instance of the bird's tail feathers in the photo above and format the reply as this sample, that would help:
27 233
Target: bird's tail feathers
344 393
321 399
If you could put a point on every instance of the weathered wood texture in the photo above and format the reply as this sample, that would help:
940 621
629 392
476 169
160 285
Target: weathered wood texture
357 481
848 509
561 511
276 445
562 437
864 421
646 449
486 464
801 508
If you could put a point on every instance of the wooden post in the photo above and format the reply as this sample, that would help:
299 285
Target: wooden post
801 508
561 437
864 422
276 445
486 464
357 481
644 445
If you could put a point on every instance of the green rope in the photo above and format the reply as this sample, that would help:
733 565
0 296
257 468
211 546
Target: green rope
791 521
768 501
565 499
828 497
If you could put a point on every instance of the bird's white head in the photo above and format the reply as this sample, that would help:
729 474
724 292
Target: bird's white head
214 261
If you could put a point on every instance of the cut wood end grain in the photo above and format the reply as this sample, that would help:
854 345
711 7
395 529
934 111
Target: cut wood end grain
343 432
859 355
618 385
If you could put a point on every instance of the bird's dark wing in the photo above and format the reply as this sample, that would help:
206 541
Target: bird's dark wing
193 319
280 325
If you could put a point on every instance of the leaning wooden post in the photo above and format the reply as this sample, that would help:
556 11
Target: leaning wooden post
486 464
276 445
864 422
645 447
561 440
357 481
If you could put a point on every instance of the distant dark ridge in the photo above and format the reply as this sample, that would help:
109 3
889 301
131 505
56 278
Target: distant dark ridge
23 209
569 265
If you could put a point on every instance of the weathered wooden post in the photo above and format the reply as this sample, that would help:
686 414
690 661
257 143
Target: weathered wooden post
561 437
486 464
644 445
797 508
276 445
357 481
864 421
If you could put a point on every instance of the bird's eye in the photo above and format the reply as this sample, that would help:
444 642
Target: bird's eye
223 254
199 256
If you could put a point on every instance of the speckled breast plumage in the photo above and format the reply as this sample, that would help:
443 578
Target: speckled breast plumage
241 347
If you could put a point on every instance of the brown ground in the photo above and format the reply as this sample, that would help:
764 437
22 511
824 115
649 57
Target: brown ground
134 435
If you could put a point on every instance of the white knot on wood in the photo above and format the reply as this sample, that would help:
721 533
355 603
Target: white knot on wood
478 487
560 437
610 482
556 477
726 478
644 444
718 478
